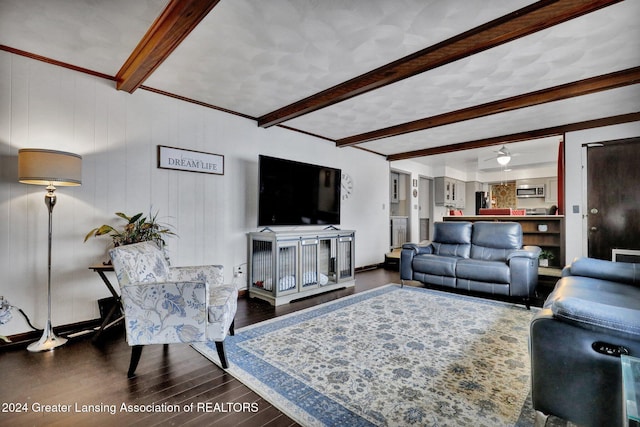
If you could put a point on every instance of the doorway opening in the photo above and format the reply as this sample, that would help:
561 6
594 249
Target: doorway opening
400 208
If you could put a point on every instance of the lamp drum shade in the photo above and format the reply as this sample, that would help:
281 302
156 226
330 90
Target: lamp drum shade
45 167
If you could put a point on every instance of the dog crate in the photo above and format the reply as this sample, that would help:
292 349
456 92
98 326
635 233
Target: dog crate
284 266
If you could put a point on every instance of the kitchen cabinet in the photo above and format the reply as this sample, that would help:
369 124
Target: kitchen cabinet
551 194
395 187
399 226
449 192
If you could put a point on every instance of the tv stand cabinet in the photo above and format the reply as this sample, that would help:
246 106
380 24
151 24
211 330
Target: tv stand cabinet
289 265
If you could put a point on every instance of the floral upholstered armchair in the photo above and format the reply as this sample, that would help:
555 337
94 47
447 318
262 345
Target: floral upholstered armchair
164 304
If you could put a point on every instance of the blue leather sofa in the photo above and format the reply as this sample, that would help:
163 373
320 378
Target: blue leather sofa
576 340
482 256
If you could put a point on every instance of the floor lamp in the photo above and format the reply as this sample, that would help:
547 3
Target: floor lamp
49 167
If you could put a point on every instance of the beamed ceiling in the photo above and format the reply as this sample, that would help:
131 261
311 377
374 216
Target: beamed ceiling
406 79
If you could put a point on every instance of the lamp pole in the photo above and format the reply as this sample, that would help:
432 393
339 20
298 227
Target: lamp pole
49 339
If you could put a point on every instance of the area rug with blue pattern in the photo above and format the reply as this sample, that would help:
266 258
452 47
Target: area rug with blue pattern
391 356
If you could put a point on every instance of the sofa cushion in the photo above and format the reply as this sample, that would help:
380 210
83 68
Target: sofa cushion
434 279
494 241
452 239
490 254
451 250
500 235
435 264
483 271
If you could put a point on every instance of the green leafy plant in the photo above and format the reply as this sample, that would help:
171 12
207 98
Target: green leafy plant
137 229
546 255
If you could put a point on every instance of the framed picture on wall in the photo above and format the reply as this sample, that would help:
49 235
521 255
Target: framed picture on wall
190 160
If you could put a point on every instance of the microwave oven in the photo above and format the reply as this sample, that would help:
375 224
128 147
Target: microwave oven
530 191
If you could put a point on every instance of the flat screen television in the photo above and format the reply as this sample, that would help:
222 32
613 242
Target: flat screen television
296 193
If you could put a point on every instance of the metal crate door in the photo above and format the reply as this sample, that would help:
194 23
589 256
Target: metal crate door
262 262
327 261
287 268
309 263
346 268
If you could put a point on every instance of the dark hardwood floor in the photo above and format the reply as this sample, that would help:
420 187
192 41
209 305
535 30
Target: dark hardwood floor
86 373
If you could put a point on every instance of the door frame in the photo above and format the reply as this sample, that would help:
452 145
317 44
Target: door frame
425 198
585 180
585 197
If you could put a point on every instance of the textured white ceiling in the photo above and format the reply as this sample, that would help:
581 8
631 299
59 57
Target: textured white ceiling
545 59
255 56
93 34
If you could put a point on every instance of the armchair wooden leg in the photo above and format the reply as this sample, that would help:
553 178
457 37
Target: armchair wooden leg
136 352
221 354
232 328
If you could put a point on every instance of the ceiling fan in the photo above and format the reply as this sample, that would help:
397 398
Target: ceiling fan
504 156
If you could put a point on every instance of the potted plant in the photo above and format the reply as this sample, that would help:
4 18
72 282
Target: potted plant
5 315
137 229
544 258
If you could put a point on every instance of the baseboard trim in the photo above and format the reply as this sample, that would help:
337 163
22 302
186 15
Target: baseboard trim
20 341
369 267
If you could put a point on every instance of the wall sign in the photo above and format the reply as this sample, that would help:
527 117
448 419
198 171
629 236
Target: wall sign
189 160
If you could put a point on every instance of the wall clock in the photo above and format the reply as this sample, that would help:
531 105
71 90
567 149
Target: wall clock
347 186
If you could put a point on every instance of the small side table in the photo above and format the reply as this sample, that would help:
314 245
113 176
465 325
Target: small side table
101 269
630 390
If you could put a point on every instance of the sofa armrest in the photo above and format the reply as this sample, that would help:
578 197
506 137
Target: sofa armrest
418 248
523 265
597 316
212 274
622 272
568 376
531 252
409 250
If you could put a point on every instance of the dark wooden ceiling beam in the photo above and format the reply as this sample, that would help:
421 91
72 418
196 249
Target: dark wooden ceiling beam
175 23
528 20
581 87
515 137
55 62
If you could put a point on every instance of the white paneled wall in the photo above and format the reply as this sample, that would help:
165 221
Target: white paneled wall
43 106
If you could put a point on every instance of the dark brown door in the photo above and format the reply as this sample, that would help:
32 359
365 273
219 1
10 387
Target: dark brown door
613 197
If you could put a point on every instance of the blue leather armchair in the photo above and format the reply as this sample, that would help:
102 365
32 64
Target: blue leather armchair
482 256
589 320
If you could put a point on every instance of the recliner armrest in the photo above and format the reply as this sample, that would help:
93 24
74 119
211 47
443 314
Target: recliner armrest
532 252
419 248
410 250
597 316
